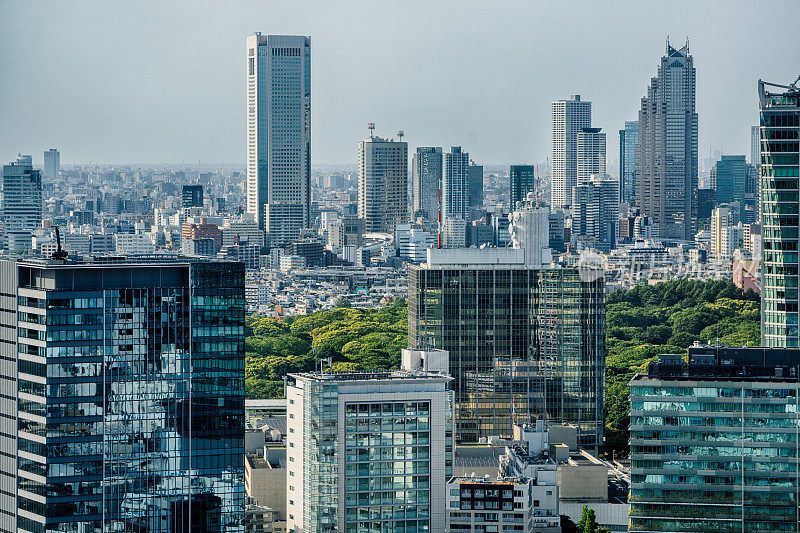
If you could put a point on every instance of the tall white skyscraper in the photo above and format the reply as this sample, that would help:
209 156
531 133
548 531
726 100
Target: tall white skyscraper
52 163
279 134
568 118
455 184
21 203
382 184
591 153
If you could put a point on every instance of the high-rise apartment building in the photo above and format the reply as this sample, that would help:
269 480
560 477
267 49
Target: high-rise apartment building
591 153
279 134
780 180
524 342
123 396
21 204
475 186
368 451
714 442
522 179
568 118
628 138
727 233
455 184
52 163
192 196
426 180
729 179
382 183
595 213
666 179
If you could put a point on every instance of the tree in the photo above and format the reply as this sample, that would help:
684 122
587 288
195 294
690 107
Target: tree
588 522
341 302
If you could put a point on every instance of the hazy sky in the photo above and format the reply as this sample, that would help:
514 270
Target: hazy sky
165 80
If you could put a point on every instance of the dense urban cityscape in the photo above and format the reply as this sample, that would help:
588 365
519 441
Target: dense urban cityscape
414 340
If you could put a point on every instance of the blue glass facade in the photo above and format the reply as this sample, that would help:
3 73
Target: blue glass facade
131 396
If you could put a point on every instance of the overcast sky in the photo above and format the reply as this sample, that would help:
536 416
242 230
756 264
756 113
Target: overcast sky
165 80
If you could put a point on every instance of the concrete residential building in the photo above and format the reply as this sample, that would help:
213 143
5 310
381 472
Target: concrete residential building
726 231
279 134
382 184
20 204
455 184
591 154
666 180
138 368
522 179
714 442
780 171
413 242
568 118
368 450
52 163
133 243
518 350
628 138
426 180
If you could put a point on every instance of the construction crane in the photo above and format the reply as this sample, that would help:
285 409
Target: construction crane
59 254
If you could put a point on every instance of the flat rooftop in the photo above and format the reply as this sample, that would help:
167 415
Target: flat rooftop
391 375
154 260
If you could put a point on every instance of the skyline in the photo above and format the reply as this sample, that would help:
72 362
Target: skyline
493 100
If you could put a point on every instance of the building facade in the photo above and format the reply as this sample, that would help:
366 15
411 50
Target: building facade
591 153
595 213
714 443
382 184
426 181
123 403
666 180
568 118
192 196
368 451
52 163
628 138
279 134
455 184
780 181
729 179
524 342
475 186
522 180
21 204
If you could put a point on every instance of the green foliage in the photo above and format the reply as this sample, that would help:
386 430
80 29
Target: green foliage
588 522
341 301
649 320
355 339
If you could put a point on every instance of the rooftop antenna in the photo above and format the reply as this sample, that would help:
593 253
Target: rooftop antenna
371 128
400 134
59 254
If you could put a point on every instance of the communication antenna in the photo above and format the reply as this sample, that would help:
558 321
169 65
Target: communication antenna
371 128
400 134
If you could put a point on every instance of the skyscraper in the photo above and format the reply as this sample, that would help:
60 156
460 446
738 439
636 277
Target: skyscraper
475 186
455 184
426 179
591 153
123 395
382 183
628 138
780 171
368 451
52 163
729 179
522 179
525 342
595 213
279 134
568 118
755 146
666 181
21 205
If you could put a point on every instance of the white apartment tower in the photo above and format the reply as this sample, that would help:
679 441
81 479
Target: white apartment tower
21 204
568 118
368 451
591 153
382 184
279 134
52 163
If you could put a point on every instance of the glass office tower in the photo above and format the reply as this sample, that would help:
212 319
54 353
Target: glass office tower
522 179
127 409
524 342
714 443
780 171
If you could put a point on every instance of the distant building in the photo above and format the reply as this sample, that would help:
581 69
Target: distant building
279 134
780 119
475 186
591 154
426 179
522 179
198 247
339 468
52 163
666 179
721 429
133 243
413 243
192 196
568 118
455 185
628 138
530 231
595 213
729 179
706 200
203 230
726 231
382 184
21 206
